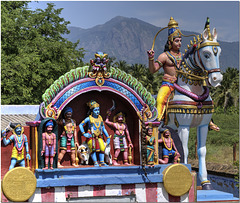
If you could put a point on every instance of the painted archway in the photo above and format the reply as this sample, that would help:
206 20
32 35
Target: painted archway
79 86
78 81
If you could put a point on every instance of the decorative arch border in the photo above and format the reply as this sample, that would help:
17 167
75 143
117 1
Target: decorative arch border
77 82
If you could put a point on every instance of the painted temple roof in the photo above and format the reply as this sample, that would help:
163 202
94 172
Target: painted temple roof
81 79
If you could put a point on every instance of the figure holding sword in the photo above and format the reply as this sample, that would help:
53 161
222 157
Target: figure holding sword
121 132
94 134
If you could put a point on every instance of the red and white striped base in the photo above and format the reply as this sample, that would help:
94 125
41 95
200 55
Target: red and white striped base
148 192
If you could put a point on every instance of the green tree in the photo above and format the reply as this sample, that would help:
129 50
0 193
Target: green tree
34 53
227 94
151 82
111 62
123 66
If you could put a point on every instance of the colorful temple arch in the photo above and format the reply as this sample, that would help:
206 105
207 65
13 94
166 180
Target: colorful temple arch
77 82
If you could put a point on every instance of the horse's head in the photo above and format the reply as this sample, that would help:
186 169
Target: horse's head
208 52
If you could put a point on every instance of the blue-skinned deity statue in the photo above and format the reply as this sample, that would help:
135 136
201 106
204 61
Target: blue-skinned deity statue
20 142
95 132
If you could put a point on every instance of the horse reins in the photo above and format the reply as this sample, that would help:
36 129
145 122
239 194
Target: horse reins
200 60
197 98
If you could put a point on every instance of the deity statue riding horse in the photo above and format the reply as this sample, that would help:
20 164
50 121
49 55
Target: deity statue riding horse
191 105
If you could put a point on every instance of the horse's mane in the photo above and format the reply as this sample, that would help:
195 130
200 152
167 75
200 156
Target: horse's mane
192 47
189 52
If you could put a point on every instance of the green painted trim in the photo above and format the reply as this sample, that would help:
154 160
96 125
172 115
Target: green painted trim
82 72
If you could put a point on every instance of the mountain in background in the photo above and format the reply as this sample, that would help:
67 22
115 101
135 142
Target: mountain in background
129 39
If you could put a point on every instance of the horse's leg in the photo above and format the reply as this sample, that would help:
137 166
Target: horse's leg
183 132
201 137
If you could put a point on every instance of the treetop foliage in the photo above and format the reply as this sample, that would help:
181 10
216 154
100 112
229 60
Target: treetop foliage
226 96
34 53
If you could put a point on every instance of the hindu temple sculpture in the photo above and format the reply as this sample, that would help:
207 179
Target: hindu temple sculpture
68 138
188 75
150 142
121 136
48 144
20 143
95 131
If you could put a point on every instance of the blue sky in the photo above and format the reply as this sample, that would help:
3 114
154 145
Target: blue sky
191 15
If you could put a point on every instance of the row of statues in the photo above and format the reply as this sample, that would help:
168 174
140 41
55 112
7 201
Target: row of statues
94 135
94 140
121 141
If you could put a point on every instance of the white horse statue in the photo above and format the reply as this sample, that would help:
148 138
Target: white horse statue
192 105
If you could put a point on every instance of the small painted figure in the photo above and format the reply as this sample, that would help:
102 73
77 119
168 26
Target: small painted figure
100 62
121 132
94 134
49 144
169 149
68 139
19 142
150 141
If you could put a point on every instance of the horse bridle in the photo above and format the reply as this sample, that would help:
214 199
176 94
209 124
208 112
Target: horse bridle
199 58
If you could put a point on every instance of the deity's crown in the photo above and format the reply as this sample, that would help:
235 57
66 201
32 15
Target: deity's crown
92 104
15 125
173 29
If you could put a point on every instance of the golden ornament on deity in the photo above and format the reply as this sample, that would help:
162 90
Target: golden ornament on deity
97 132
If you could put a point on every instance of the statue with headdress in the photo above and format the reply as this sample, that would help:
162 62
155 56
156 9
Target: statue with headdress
94 134
170 151
169 60
68 139
48 144
150 142
20 143
121 133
